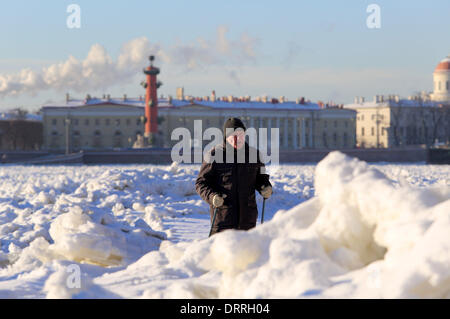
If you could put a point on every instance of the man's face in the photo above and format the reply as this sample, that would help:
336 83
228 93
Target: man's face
237 139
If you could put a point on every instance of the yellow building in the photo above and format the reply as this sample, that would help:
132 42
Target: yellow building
393 122
389 121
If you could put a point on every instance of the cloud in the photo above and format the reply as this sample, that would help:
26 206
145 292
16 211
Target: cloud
204 53
99 71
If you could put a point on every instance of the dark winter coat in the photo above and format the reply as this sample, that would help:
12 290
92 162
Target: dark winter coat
236 180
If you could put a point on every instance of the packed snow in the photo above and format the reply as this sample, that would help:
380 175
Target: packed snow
339 229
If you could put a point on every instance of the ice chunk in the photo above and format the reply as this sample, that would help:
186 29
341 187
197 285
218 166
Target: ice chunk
78 238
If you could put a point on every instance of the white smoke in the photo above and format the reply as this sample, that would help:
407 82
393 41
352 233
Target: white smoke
99 71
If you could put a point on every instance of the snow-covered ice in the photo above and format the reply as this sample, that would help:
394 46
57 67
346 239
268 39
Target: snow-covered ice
342 228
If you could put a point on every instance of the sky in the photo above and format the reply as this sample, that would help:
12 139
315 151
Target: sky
321 50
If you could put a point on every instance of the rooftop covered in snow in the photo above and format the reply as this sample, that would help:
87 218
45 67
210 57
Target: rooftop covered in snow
176 103
393 101
6 116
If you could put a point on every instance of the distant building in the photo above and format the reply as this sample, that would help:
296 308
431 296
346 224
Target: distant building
390 121
441 81
20 131
106 123
393 122
301 125
92 124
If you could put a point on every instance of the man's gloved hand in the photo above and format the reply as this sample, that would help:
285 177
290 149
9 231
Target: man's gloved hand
266 191
218 200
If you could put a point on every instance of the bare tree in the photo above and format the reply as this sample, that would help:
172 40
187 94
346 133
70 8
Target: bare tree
22 135
20 113
437 120
424 120
446 111
396 116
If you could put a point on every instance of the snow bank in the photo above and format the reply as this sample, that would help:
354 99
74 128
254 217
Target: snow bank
83 237
341 229
108 216
361 236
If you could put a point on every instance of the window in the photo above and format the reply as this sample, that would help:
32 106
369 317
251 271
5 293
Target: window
76 140
75 121
128 121
54 121
446 85
281 132
138 121
97 122
97 139
382 131
117 122
86 122
289 131
362 131
54 140
345 139
372 131
107 122
118 139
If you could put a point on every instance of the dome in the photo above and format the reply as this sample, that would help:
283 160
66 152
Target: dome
444 65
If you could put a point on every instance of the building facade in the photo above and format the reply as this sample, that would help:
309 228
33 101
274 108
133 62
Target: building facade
96 124
395 123
422 119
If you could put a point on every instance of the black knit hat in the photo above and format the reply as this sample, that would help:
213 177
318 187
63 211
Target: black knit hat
232 123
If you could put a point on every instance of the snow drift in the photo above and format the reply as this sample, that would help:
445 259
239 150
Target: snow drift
341 229
360 236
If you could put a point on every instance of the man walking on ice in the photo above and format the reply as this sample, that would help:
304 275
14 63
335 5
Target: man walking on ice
228 179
